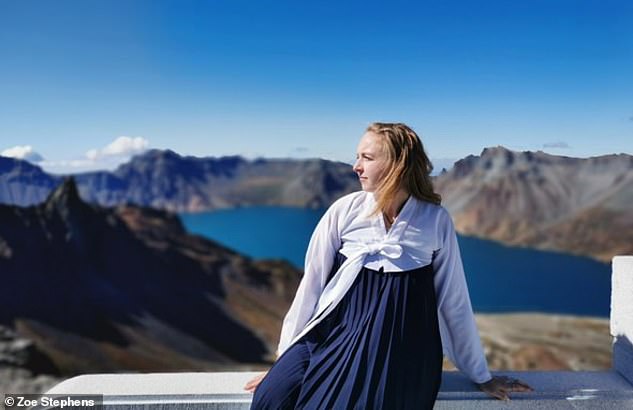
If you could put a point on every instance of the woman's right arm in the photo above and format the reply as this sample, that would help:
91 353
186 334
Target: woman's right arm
324 244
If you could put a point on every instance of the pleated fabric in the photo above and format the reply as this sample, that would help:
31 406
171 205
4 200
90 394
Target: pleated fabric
380 348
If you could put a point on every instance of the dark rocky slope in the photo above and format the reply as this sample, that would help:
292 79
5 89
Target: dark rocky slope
105 289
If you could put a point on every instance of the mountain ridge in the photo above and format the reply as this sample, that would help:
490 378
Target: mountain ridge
164 179
520 198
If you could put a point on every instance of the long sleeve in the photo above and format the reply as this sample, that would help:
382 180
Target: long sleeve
460 338
324 243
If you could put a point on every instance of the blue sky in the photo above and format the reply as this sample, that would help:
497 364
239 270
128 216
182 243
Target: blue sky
85 84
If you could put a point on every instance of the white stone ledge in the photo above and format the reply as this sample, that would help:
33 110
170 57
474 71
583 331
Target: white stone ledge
621 322
224 390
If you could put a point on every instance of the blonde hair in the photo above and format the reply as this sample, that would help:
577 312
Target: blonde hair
409 166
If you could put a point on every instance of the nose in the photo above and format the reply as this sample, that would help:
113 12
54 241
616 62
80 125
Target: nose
356 167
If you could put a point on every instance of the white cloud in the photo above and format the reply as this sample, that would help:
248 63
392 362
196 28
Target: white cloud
557 144
24 152
107 158
120 147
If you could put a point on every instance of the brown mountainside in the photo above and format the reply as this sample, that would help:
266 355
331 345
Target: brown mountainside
576 205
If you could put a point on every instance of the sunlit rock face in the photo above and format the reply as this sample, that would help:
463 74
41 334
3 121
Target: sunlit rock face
534 199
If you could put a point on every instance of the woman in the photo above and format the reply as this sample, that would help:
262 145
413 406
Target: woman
383 294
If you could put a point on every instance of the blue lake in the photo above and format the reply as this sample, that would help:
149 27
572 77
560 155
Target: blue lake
500 278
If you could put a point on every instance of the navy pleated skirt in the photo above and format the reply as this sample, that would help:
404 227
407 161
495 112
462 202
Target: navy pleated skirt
380 348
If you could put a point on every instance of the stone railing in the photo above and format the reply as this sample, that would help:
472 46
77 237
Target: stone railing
612 389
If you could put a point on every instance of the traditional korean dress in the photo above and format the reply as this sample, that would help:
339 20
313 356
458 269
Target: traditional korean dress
374 312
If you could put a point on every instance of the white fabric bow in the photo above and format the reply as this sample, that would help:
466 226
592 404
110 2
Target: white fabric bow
345 276
390 250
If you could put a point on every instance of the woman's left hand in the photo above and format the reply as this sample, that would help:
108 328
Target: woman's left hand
499 387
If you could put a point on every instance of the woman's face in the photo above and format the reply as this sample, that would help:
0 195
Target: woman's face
371 162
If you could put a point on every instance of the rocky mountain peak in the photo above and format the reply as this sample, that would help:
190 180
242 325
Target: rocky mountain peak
20 168
503 157
65 195
150 159
497 161
499 150
7 164
167 154
65 204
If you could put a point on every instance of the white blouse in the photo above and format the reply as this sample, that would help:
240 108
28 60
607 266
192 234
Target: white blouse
423 233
